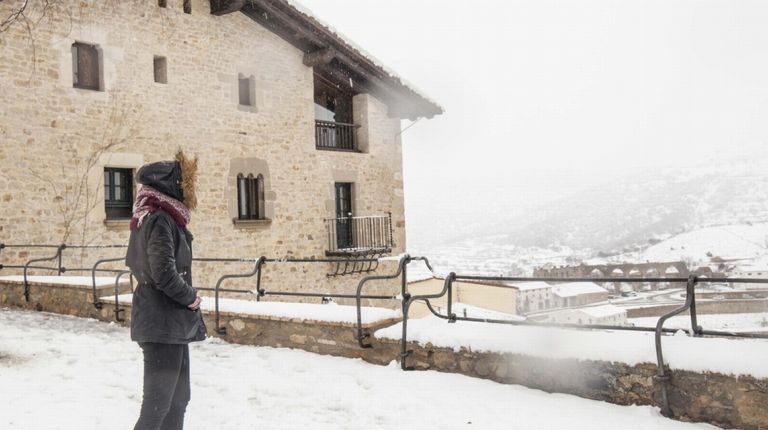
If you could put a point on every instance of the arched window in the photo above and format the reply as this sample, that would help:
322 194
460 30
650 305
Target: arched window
250 196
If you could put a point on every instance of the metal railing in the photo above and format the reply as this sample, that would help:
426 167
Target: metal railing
407 299
360 234
59 268
335 135
259 291
662 375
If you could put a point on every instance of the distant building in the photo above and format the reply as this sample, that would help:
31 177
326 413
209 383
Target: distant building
532 296
572 294
753 270
603 315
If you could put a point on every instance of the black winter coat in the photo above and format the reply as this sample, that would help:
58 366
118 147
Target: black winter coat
160 257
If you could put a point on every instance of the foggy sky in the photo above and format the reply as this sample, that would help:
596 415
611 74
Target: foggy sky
544 97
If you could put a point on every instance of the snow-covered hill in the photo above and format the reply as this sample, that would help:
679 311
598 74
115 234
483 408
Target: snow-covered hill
718 208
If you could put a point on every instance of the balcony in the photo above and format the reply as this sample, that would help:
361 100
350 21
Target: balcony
335 136
359 235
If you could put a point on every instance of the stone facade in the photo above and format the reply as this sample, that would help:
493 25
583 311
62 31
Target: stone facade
51 165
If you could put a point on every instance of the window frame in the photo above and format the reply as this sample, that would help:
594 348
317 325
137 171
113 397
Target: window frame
112 204
160 69
79 50
250 188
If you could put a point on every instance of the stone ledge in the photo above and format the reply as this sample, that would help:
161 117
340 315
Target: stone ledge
117 224
35 281
251 223
242 315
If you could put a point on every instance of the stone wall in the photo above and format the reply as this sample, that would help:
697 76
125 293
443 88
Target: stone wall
75 300
713 307
723 400
50 193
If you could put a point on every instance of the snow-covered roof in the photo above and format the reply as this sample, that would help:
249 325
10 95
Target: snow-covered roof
602 311
570 289
526 286
346 51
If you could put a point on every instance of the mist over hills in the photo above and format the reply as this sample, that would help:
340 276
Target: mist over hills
615 215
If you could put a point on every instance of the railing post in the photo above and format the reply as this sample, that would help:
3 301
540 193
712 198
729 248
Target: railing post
451 315
696 329
661 373
61 251
259 291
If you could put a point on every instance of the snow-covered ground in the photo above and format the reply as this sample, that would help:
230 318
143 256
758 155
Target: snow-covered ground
59 372
727 241
680 351
726 322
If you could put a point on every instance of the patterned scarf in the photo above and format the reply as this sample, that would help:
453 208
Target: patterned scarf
148 200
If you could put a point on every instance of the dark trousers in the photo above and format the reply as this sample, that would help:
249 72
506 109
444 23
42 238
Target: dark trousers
166 386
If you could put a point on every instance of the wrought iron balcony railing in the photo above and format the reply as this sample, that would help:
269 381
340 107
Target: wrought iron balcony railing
335 136
359 234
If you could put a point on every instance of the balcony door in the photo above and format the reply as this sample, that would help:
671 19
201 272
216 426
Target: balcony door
343 215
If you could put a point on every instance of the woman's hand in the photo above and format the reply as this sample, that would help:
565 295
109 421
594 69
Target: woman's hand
196 304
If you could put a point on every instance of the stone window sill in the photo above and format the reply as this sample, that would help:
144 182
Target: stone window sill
251 223
247 108
118 224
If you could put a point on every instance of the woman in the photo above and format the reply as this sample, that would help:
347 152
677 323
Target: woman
165 315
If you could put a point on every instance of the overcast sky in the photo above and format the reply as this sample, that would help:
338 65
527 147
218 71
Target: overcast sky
543 97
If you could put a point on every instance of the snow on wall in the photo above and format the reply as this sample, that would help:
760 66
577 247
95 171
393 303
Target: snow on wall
357 48
330 312
65 280
727 356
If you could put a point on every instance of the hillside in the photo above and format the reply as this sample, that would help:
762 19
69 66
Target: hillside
669 214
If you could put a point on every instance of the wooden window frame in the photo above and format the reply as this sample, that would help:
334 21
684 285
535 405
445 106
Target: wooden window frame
80 52
250 197
118 208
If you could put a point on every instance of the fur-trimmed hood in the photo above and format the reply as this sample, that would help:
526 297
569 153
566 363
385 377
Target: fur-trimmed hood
188 168
176 178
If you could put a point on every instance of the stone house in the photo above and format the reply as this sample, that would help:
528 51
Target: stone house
296 129
532 296
571 294
601 315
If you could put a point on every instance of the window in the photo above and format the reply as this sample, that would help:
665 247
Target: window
187 6
334 128
246 93
118 192
161 70
332 104
162 3
86 66
250 196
